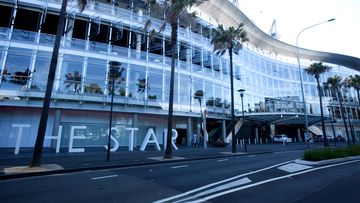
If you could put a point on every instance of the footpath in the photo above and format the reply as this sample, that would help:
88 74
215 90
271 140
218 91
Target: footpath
16 166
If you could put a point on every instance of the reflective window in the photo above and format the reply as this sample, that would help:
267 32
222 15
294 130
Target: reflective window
96 76
137 83
155 80
71 74
16 73
41 73
185 90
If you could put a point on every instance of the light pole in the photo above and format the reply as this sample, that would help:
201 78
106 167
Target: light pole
242 109
199 95
113 73
300 73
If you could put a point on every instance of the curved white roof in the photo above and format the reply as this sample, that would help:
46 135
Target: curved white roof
229 15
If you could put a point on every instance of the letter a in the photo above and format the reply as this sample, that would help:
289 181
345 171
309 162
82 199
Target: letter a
150 133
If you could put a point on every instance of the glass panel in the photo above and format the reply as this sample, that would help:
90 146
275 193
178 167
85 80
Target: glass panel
155 85
208 91
137 82
41 73
95 76
185 89
16 72
71 74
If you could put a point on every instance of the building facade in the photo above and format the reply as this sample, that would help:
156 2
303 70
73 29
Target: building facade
114 31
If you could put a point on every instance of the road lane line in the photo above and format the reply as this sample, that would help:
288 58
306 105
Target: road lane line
219 182
235 183
220 160
103 177
182 166
268 181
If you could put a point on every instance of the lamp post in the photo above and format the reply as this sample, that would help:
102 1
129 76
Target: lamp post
199 95
242 109
113 72
300 73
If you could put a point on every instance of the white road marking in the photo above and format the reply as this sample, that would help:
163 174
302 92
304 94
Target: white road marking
182 166
219 182
220 160
292 167
251 156
217 189
267 181
103 177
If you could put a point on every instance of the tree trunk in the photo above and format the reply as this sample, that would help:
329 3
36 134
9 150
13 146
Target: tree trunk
168 150
38 148
343 117
233 141
326 144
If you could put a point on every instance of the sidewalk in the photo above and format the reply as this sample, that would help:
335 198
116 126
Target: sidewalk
65 162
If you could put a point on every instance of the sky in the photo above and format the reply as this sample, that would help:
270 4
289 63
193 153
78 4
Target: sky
340 36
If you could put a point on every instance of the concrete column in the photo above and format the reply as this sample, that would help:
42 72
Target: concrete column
299 135
56 124
223 130
189 132
134 125
257 135
272 130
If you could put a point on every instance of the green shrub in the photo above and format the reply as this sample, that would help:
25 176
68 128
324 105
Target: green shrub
331 153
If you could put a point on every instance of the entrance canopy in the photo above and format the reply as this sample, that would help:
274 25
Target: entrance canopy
281 118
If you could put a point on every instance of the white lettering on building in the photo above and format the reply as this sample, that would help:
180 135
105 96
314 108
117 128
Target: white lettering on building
72 137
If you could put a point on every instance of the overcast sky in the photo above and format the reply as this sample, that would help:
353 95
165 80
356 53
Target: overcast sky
341 36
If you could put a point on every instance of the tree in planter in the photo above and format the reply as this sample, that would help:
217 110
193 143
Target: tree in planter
122 92
93 88
229 40
172 10
316 69
38 148
354 81
335 87
73 80
143 85
154 97
115 76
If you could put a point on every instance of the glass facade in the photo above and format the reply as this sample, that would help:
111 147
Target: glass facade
89 44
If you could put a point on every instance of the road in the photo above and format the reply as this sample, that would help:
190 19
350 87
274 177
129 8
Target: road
270 177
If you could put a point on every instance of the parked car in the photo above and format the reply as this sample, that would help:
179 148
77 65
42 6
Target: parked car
281 138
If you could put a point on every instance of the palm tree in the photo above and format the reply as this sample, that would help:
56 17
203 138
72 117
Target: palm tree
316 69
354 81
173 10
36 158
231 40
335 86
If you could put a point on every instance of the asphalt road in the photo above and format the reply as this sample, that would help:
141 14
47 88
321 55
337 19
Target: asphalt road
255 178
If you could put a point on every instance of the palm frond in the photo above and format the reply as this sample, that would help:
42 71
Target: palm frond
82 4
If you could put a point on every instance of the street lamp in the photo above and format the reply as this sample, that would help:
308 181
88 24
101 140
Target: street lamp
242 109
199 95
113 73
300 73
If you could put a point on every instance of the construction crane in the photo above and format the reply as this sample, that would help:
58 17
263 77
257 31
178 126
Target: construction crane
273 30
